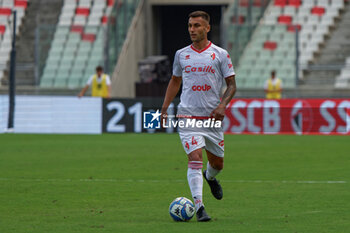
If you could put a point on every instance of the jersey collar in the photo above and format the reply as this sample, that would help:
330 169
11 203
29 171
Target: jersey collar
200 51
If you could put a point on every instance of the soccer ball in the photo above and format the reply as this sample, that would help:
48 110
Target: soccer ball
181 209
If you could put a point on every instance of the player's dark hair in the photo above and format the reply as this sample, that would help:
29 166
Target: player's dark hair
99 68
273 72
202 14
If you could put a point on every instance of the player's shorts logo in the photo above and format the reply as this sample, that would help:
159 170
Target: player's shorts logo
151 120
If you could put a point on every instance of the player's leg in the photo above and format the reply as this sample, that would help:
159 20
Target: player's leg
194 176
193 146
214 166
195 181
215 153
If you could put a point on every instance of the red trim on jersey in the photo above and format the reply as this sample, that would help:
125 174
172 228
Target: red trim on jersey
199 51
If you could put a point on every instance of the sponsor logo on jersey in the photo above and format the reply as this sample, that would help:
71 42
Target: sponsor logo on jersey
187 57
201 87
212 56
207 69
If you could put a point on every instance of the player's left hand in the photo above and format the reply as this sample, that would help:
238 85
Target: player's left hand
218 113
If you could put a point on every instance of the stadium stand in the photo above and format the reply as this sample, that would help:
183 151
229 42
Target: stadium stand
6 28
80 36
273 42
77 47
343 79
331 57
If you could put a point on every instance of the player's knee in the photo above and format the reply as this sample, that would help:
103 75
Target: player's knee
218 165
195 156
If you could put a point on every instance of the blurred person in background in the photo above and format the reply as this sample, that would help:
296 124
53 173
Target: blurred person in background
100 84
273 87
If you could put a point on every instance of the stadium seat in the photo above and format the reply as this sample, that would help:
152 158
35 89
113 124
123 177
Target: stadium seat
294 3
285 19
270 45
5 11
80 32
82 11
343 79
74 80
6 20
280 3
280 20
21 3
317 10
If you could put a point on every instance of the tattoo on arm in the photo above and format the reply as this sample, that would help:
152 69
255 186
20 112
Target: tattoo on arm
230 91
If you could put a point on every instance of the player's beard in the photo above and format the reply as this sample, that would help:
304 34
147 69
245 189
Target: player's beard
198 38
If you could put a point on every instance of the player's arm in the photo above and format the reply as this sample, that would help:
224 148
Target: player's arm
172 90
109 91
109 86
82 92
219 112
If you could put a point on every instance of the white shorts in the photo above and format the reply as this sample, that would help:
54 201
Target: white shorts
212 141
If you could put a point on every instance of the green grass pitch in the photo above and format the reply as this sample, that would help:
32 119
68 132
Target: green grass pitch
125 183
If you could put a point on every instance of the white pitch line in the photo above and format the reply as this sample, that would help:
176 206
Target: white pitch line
176 181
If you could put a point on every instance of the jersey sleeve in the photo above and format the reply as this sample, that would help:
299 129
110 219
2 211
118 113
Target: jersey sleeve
226 65
89 82
266 84
281 84
108 80
177 69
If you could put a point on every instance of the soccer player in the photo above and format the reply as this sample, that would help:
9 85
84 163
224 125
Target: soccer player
101 84
202 67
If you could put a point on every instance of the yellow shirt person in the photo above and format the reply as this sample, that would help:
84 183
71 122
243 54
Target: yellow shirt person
100 84
273 87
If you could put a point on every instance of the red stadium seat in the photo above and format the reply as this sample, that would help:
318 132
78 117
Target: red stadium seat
240 20
285 19
104 19
5 11
82 11
2 29
110 2
77 29
317 10
257 3
21 3
89 37
270 45
281 3
295 3
291 28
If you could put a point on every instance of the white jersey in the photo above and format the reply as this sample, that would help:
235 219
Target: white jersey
203 73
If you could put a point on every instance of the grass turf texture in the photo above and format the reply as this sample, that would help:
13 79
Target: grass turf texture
125 183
